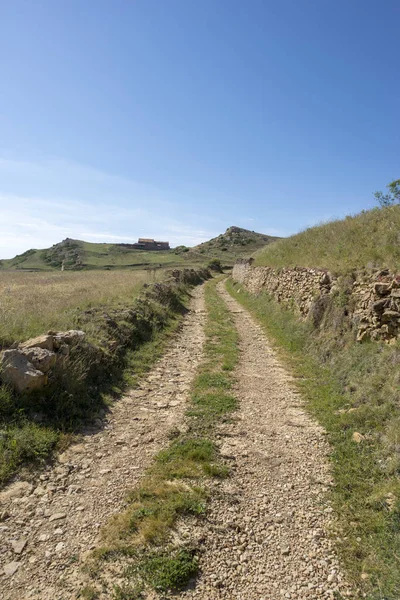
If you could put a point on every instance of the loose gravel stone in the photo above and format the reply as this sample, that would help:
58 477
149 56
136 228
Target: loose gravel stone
18 545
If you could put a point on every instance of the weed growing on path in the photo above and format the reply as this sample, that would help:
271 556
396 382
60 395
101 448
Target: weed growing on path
350 388
169 571
176 485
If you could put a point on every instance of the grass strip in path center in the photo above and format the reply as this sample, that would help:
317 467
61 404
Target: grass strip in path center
139 542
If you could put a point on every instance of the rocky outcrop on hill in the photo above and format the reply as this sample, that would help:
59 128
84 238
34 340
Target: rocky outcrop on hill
370 301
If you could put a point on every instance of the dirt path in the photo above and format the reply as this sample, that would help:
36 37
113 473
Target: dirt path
54 521
266 534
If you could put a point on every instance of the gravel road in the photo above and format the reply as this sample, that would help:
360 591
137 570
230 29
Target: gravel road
265 536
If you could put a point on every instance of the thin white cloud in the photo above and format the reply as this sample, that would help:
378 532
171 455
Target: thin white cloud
33 223
43 202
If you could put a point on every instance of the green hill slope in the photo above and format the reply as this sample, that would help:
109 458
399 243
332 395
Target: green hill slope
80 255
369 239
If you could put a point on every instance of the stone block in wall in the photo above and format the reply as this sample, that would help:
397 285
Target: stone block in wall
17 371
40 358
42 341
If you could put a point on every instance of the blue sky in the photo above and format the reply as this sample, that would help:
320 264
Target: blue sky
178 118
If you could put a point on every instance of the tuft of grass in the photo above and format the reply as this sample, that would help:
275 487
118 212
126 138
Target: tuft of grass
369 239
27 442
88 593
176 485
349 388
128 592
169 572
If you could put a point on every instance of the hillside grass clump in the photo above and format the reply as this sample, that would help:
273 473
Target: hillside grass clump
177 485
370 239
351 389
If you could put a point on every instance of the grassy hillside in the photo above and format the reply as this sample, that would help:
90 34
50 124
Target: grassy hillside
234 243
367 240
80 255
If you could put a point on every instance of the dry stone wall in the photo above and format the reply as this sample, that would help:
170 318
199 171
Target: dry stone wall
372 300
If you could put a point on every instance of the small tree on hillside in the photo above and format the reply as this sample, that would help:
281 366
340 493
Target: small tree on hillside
215 265
393 197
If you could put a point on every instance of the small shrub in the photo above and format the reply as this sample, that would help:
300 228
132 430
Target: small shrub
127 592
88 593
215 265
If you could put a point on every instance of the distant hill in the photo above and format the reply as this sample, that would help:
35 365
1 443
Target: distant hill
234 243
80 255
369 240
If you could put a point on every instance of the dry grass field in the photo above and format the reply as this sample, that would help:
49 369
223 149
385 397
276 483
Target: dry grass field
32 303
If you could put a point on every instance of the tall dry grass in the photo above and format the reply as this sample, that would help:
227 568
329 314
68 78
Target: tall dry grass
32 303
367 240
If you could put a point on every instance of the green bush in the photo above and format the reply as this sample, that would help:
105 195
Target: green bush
215 265
24 443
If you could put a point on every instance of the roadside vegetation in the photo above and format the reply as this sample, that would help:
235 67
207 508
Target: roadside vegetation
178 483
354 392
125 336
370 239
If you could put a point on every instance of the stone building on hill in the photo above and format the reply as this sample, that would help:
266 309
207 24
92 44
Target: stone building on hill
147 244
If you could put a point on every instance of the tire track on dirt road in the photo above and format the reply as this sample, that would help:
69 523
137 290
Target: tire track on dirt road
266 536
51 522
